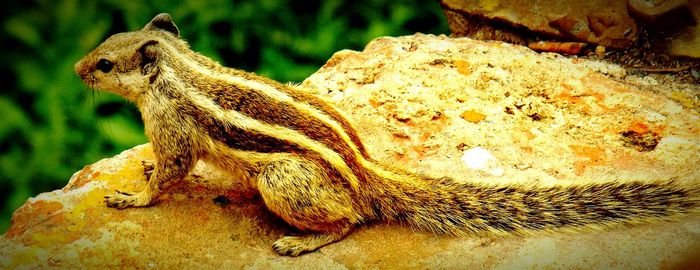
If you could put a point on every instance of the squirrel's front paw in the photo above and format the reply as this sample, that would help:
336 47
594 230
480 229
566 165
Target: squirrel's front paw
148 168
122 200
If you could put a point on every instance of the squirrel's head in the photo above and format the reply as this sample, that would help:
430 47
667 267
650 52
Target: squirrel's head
126 63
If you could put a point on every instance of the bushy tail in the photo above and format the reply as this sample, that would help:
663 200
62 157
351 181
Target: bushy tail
445 206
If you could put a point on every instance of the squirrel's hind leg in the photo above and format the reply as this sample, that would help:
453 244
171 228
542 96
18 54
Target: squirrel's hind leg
295 245
306 196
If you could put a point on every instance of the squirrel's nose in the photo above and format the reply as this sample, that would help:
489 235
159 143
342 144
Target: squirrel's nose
78 66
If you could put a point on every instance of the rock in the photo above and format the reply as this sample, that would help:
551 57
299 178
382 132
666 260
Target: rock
463 24
549 120
686 40
663 12
686 43
571 48
600 22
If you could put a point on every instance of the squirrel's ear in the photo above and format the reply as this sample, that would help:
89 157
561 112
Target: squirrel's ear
163 22
150 53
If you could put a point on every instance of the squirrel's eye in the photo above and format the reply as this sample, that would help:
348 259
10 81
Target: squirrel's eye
104 65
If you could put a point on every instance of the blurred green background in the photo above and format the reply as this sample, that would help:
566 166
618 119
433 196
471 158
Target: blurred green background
51 125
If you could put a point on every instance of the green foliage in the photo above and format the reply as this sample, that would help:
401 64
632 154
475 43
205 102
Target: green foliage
52 124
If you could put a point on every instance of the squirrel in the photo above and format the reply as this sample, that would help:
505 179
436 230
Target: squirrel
308 164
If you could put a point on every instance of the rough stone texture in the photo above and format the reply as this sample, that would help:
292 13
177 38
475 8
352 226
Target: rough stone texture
600 22
686 42
420 102
662 11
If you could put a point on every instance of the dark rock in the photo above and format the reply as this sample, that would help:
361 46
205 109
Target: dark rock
600 22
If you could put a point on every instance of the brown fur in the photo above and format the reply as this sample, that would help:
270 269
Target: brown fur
308 162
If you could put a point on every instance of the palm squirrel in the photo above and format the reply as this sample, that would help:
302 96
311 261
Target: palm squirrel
309 165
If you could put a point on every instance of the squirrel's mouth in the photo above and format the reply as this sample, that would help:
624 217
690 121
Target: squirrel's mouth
84 73
89 79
